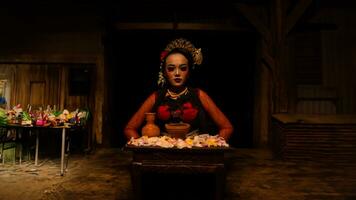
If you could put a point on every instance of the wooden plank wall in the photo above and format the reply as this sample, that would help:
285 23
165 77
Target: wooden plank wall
316 100
35 84
324 66
44 84
339 52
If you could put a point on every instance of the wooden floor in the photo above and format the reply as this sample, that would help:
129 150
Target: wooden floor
252 174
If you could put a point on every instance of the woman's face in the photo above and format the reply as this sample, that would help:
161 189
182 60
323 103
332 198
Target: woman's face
176 69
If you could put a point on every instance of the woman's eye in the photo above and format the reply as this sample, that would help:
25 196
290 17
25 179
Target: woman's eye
184 68
170 69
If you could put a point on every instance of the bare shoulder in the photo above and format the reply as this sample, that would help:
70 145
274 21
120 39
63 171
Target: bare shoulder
150 100
152 97
202 94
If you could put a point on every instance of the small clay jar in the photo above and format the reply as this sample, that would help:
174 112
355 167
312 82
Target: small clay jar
150 129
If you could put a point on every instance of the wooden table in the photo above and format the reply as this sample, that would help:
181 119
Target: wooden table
173 160
36 129
63 132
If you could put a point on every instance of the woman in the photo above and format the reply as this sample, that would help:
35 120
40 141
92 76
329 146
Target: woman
175 101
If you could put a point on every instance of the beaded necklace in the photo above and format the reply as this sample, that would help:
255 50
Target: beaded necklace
174 95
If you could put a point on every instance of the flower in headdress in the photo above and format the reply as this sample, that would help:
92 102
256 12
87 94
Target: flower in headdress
163 54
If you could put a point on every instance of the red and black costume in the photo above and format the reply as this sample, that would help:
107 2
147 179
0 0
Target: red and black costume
185 108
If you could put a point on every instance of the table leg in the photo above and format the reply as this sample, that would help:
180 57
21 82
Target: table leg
62 150
220 182
136 179
20 147
20 154
37 144
29 148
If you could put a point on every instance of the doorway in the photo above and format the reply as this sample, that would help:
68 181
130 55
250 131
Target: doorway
227 74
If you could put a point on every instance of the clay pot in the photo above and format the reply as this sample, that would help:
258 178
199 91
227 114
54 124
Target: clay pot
177 130
150 129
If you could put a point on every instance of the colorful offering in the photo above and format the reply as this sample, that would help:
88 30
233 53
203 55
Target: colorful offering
203 140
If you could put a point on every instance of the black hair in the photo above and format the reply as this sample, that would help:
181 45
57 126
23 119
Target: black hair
182 51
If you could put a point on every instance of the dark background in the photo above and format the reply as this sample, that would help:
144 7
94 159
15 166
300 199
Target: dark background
227 74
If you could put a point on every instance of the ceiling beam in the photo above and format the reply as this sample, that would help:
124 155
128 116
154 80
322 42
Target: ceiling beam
250 13
144 26
178 26
296 14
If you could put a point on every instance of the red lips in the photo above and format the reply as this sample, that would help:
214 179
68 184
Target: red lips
178 80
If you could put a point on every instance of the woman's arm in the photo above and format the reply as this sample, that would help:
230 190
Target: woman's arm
225 127
131 129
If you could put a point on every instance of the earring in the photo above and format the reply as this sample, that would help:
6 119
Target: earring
161 80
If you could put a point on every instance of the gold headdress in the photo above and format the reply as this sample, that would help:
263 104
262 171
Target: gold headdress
180 43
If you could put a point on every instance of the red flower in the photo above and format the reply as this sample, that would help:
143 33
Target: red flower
187 105
163 112
177 113
189 113
163 54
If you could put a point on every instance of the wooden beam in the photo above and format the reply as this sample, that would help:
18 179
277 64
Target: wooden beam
295 15
210 26
277 21
250 14
144 26
48 58
318 27
179 26
270 63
